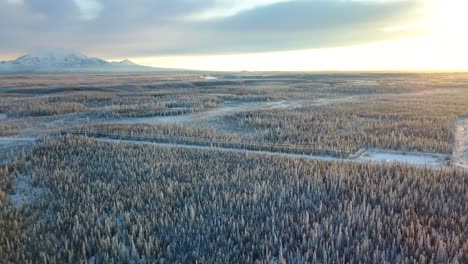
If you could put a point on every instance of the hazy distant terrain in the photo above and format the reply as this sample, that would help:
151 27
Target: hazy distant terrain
64 60
233 167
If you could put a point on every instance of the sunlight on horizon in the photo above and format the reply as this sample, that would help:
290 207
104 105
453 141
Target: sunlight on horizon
443 49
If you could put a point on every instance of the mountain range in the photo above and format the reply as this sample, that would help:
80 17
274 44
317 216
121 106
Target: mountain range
66 60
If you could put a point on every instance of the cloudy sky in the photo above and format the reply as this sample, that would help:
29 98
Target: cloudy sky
245 34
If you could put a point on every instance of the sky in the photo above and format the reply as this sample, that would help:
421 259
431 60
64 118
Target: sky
253 35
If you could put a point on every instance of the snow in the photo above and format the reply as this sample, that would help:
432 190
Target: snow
229 108
410 158
124 63
328 101
209 77
10 144
235 150
376 156
24 191
363 82
180 108
9 140
459 159
460 152
224 109
57 59
65 60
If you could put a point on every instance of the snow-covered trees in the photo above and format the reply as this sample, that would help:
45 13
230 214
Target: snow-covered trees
421 122
120 203
117 203
3 129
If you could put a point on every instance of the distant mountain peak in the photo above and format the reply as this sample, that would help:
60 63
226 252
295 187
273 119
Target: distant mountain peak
125 62
56 53
66 60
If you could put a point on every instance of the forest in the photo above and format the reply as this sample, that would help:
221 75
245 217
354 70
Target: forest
138 168
134 203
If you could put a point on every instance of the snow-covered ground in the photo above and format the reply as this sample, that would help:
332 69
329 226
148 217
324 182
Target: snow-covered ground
459 159
370 156
410 158
12 140
209 77
24 191
230 108
224 109
460 152
236 150
363 82
209 118
327 101
9 144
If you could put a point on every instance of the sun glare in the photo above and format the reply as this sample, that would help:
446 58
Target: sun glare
443 48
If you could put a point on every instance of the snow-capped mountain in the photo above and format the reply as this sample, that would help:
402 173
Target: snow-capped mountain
124 63
65 60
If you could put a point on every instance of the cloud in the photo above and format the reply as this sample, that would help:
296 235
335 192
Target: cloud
15 2
306 24
146 27
90 9
227 8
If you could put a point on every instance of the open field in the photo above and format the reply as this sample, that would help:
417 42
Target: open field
216 168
